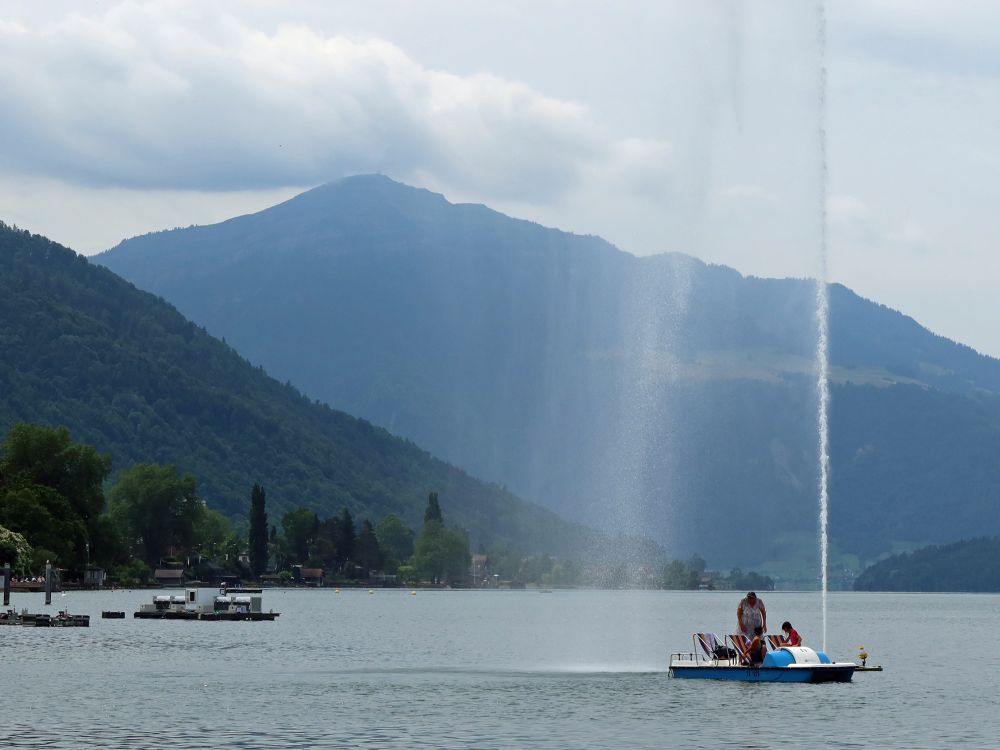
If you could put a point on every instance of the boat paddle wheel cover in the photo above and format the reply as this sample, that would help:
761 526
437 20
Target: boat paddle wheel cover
780 658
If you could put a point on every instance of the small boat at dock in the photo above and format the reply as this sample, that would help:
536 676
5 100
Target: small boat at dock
65 620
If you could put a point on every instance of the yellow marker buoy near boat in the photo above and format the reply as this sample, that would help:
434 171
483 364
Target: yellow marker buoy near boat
863 655
413 593
336 591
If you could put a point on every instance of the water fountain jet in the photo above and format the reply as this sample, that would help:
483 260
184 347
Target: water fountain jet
823 326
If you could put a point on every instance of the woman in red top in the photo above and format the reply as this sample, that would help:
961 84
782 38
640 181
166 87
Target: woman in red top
791 636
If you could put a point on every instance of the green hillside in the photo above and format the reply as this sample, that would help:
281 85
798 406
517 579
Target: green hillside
129 375
969 565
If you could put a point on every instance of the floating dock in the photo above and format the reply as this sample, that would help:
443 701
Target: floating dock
44 620
207 604
210 616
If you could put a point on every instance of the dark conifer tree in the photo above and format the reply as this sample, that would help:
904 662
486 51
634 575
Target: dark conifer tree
433 512
367 550
345 537
258 531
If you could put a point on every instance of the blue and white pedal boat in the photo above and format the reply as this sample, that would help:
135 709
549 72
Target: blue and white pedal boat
782 664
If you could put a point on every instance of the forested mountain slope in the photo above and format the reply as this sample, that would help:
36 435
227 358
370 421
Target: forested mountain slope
968 565
127 373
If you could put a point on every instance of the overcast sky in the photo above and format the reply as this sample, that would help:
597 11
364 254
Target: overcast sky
691 126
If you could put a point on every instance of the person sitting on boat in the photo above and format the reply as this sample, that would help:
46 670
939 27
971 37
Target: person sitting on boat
751 613
757 649
791 637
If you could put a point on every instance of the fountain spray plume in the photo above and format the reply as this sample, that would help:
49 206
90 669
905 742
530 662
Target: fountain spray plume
823 325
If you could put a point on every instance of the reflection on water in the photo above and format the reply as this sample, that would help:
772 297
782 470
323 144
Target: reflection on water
489 669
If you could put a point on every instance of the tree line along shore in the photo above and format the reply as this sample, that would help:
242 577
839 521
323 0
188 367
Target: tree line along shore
151 527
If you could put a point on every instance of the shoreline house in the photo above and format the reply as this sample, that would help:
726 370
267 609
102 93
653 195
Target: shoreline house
311 576
94 577
169 577
480 571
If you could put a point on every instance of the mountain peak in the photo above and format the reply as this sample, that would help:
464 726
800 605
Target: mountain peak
356 214
373 184
358 192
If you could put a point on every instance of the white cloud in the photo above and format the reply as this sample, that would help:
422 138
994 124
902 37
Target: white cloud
855 227
659 125
167 96
95 219
935 36
747 194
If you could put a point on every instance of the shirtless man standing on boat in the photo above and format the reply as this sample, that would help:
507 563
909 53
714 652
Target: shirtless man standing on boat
751 614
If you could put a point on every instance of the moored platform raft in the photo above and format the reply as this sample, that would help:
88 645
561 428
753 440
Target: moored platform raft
44 620
206 604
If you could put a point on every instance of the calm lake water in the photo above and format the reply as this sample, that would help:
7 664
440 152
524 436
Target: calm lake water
498 669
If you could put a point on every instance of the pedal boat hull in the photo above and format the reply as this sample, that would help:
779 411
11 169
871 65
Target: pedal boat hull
789 664
820 673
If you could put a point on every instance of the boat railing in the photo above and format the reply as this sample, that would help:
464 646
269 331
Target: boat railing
682 657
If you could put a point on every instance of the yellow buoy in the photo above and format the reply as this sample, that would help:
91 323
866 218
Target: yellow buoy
413 593
371 591
336 591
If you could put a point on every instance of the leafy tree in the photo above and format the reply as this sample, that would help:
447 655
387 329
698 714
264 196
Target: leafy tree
257 541
323 550
440 553
395 540
47 520
214 534
300 527
15 551
158 507
433 511
108 545
135 572
536 569
409 574
35 454
51 490
505 562
565 573
751 580
681 576
232 550
367 550
697 563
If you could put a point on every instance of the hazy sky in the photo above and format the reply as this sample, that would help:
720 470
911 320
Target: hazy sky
691 126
